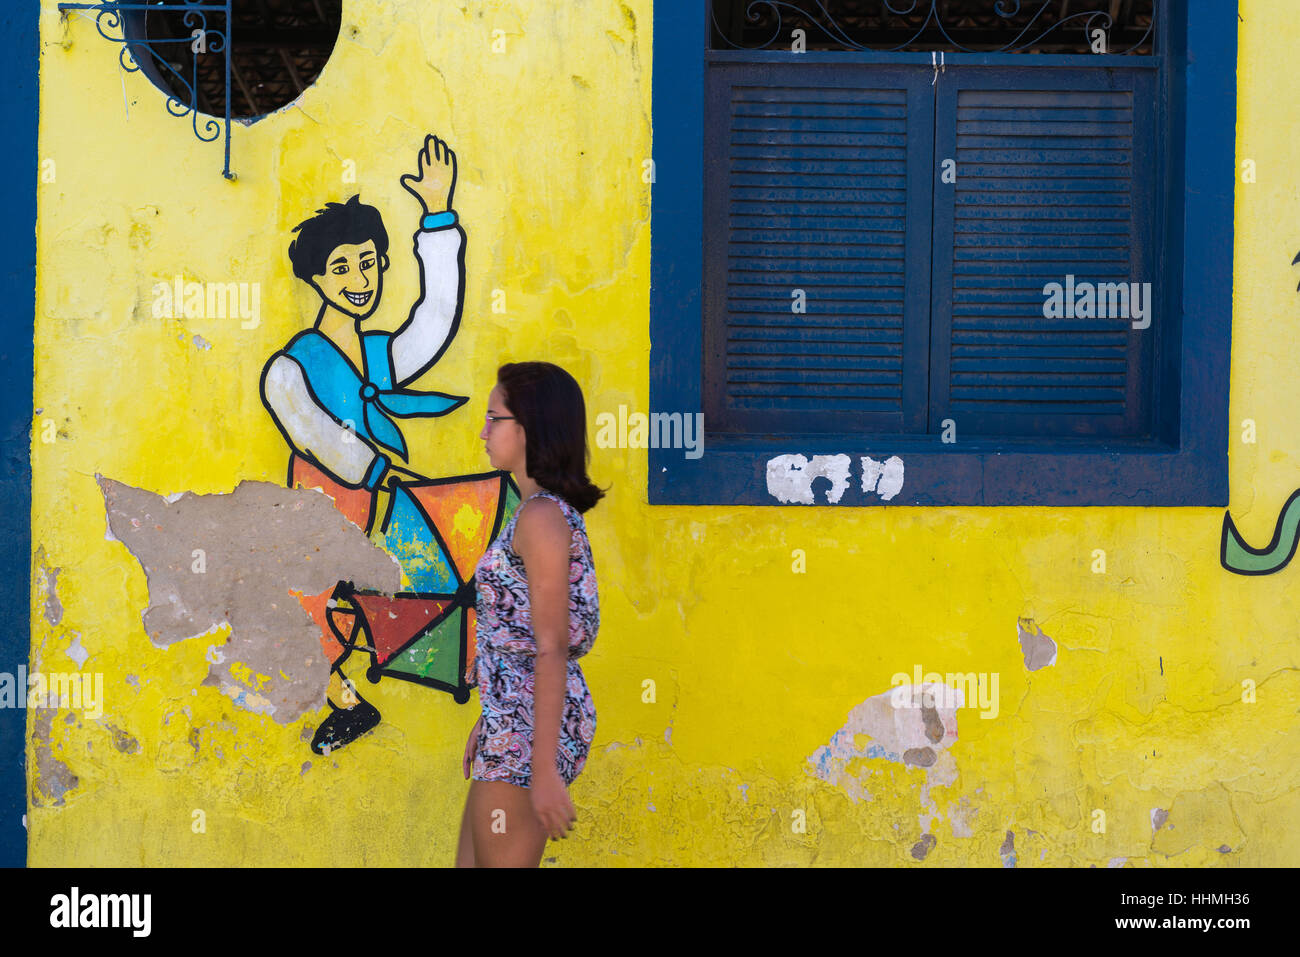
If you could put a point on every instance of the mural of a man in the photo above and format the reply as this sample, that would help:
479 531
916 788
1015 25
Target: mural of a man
335 388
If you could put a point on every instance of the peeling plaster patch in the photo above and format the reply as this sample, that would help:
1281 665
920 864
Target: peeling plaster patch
49 584
1158 817
884 478
259 543
744 792
790 477
133 681
201 342
924 846
246 699
1039 650
962 818
76 652
1224 849
52 779
910 734
306 766
1008 850
1116 862
920 757
124 742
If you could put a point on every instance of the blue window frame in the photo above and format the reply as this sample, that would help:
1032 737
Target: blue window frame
1062 412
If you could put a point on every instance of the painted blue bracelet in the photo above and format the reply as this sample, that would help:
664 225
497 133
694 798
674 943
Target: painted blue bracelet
439 220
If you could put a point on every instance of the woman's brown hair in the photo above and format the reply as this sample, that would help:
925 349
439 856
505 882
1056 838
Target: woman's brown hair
548 403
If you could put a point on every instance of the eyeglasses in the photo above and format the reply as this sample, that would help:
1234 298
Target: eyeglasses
499 418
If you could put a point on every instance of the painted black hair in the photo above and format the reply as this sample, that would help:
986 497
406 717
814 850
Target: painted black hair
350 223
548 404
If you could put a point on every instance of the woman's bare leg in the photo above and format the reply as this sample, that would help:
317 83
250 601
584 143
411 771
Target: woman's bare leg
505 829
465 846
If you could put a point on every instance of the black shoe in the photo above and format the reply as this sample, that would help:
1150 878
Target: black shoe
343 726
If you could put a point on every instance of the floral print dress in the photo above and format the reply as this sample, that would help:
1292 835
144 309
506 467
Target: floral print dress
503 666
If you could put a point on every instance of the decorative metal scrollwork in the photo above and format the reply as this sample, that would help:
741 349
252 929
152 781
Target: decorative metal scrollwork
111 26
854 22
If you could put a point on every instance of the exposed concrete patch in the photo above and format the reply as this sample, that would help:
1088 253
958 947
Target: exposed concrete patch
76 652
1039 650
253 545
1008 850
52 778
962 818
897 725
1158 817
924 846
49 580
919 757
124 742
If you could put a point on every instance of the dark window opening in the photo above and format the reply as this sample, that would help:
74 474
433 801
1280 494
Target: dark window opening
962 26
277 49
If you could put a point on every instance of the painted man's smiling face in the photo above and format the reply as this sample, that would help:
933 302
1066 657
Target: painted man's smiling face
353 278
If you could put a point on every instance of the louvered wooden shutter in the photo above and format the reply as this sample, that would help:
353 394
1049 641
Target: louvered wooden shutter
818 177
1056 175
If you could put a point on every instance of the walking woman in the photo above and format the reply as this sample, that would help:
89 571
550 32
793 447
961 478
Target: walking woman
537 613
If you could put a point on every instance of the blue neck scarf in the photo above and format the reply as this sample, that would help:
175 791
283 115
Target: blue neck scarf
367 400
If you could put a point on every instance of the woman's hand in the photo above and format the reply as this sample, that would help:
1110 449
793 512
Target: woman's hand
471 747
551 803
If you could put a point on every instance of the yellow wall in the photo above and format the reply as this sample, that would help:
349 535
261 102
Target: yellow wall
756 666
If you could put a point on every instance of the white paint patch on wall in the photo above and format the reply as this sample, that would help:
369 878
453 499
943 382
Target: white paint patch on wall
884 478
790 477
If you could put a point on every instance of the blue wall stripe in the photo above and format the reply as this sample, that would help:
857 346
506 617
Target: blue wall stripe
19 169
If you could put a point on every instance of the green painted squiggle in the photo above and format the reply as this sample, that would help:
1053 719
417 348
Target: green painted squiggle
1236 556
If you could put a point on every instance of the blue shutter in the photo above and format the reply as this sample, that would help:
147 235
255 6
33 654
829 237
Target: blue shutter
818 177
1056 175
